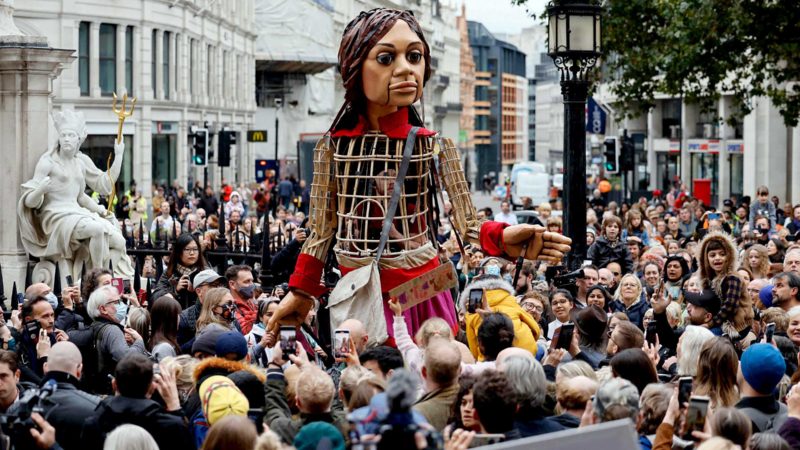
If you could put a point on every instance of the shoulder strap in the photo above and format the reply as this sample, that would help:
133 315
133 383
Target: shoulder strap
398 185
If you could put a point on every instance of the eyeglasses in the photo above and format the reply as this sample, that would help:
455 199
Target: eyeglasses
191 250
113 302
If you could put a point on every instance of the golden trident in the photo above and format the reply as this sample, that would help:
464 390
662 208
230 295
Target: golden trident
122 113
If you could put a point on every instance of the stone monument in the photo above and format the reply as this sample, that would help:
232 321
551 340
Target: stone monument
27 69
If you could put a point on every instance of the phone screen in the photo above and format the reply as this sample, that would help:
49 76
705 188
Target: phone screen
713 216
565 335
684 390
651 333
696 415
341 343
770 332
126 286
70 282
118 283
288 341
475 300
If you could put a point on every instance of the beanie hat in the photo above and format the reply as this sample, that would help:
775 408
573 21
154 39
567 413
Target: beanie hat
763 367
317 435
231 342
251 387
765 295
221 398
591 231
206 341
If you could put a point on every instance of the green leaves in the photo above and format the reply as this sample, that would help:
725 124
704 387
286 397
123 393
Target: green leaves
699 49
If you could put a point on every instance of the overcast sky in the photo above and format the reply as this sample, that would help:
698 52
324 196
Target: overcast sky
500 15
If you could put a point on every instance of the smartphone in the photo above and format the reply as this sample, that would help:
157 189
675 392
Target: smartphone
288 341
32 327
156 369
770 332
713 216
117 283
70 282
684 390
651 334
475 300
482 439
126 286
341 343
565 335
696 415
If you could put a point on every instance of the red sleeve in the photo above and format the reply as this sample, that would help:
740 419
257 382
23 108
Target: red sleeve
492 239
307 275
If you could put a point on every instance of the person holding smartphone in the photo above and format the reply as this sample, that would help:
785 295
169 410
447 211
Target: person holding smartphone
33 341
186 260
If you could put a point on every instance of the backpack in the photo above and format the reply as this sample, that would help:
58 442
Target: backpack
94 378
767 422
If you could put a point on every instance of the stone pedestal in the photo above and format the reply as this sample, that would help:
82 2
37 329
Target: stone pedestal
27 70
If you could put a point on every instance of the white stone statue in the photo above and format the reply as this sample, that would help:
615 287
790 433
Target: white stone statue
58 222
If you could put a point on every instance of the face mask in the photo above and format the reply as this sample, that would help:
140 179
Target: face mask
508 278
122 311
247 291
227 312
493 270
52 299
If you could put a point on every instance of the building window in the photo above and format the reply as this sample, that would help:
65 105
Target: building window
83 58
209 69
192 50
108 58
154 62
129 60
165 61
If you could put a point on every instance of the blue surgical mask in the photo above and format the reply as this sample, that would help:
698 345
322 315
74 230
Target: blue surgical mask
247 291
508 278
122 311
492 270
52 299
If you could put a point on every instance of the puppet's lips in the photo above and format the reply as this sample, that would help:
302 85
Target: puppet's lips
404 86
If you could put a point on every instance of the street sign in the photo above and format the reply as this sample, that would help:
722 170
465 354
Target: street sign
256 135
595 118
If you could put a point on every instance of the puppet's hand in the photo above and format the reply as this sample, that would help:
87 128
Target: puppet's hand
292 310
542 244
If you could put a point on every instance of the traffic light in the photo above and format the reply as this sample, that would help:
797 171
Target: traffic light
200 146
226 139
626 156
611 145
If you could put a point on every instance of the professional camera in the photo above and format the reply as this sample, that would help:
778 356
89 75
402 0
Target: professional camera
17 422
556 275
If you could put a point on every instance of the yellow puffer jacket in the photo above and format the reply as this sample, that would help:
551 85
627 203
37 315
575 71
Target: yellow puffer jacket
526 330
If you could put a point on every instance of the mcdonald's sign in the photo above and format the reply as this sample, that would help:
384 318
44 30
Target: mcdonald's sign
257 136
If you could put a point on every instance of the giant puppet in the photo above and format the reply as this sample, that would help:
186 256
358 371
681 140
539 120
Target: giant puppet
59 223
359 165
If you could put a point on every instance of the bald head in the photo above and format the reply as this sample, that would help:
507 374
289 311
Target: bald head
36 290
358 334
64 357
442 364
509 352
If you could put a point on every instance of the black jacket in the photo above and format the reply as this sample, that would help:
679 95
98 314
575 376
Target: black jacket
167 428
284 261
602 252
165 286
187 327
209 204
72 408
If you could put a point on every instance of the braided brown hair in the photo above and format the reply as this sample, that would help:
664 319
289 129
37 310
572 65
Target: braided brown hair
360 35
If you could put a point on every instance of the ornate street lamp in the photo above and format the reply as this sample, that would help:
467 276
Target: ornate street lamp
573 36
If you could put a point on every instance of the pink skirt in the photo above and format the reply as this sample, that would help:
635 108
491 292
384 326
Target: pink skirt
440 305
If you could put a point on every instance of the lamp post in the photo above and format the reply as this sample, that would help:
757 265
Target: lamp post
573 35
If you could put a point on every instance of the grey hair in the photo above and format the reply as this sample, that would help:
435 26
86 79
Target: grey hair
768 441
614 394
99 297
129 437
574 368
691 344
527 379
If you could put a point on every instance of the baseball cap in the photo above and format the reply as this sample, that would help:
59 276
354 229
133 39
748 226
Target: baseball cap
763 367
316 435
707 299
765 295
205 277
231 342
221 398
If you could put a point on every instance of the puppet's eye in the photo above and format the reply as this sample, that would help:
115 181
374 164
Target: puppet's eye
414 57
385 58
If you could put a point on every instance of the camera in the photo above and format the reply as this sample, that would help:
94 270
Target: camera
17 422
556 276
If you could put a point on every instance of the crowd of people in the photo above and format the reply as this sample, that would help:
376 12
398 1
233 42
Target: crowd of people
676 294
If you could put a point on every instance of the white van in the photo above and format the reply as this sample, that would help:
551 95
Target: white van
529 179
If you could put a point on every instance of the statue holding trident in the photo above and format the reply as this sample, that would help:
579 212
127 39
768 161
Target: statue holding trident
59 223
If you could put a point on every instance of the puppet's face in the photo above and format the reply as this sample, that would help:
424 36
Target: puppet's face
393 72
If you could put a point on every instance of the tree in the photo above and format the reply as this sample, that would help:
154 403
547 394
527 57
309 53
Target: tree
698 49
